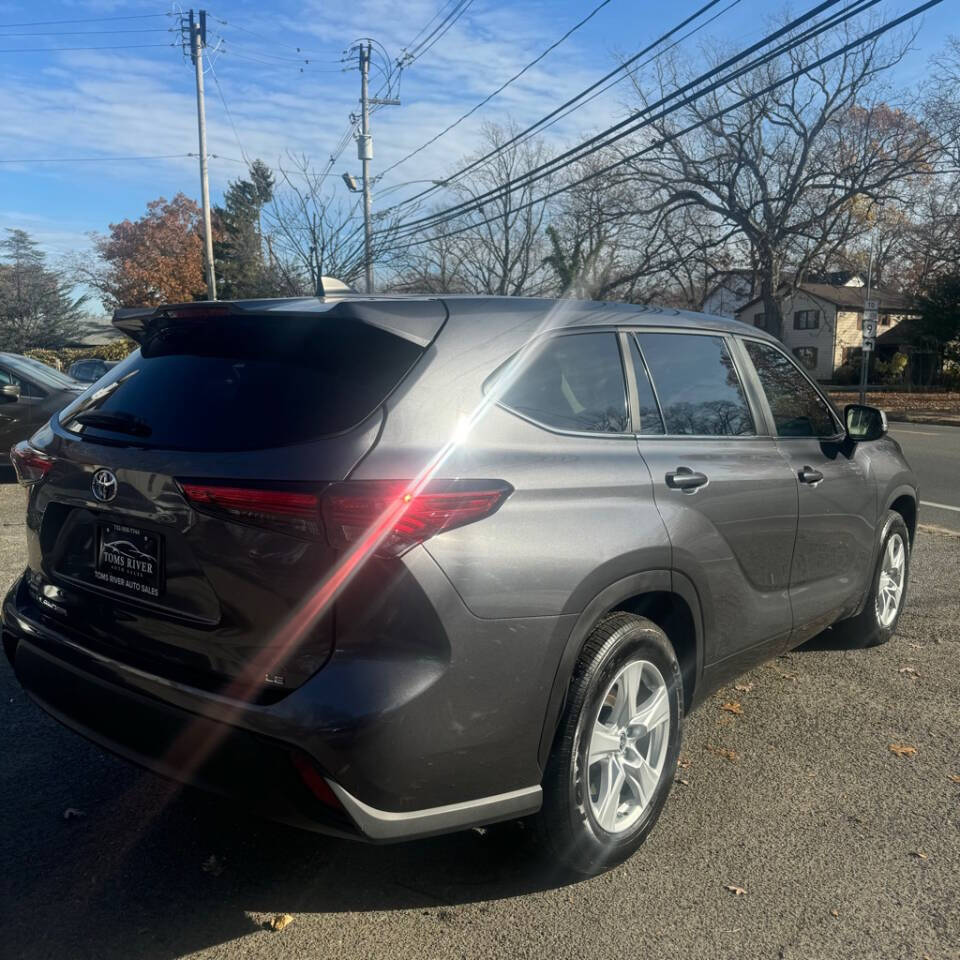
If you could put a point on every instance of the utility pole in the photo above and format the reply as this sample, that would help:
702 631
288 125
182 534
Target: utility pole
365 154
198 40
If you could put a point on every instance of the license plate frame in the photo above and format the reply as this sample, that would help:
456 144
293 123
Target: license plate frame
129 560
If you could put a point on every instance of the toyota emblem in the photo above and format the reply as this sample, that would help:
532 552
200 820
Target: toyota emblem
104 485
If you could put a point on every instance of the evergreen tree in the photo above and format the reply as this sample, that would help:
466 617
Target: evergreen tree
37 306
242 270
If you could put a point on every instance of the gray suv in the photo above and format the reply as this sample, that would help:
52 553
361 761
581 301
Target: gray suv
389 567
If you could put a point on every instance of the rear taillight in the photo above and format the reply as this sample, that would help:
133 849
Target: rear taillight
294 511
385 513
30 464
394 519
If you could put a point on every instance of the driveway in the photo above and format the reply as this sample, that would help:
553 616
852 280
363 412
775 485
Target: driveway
841 848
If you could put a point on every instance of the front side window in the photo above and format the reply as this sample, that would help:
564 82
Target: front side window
807 357
573 382
798 410
697 383
806 320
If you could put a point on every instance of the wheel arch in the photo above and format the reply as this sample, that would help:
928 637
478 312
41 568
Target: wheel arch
667 598
903 500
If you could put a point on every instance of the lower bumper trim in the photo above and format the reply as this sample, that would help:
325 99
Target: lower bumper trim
384 825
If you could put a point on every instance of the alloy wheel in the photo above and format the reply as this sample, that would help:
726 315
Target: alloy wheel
628 746
891 580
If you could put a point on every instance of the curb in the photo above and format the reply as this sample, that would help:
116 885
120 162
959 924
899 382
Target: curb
935 421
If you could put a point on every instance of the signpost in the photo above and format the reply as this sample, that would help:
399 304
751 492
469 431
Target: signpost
871 309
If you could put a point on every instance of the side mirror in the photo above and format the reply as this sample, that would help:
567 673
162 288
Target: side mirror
9 393
864 423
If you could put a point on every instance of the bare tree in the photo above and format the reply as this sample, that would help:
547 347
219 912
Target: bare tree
782 166
312 233
499 247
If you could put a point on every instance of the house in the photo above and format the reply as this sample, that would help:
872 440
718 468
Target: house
823 321
731 290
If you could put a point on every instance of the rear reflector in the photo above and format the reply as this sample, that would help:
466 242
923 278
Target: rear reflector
31 465
394 520
314 780
299 512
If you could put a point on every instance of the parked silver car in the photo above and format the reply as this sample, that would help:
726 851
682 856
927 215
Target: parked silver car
393 567
30 391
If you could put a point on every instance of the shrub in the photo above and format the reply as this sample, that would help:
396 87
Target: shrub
64 359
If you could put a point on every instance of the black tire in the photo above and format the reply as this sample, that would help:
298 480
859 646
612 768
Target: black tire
566 825
866 629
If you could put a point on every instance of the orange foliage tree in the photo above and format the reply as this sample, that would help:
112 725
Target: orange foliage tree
156 259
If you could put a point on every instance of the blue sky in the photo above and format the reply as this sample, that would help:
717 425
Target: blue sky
129 100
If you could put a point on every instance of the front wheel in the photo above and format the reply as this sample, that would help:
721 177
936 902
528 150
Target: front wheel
878 620
616 750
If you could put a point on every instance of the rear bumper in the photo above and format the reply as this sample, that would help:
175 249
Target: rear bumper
248 751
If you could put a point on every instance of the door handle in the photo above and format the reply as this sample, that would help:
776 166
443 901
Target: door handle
683 478
809 475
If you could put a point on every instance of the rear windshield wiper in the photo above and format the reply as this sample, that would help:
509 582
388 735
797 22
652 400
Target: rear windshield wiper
115 422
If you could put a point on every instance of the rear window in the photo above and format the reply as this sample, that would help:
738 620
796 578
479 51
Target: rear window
244 383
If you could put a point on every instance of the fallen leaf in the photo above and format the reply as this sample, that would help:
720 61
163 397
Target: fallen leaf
72 812
732 706
744 687
736 891
834 913
730 755
280 921
954 777
902 750
909 671
682 780
683 763
919 854
212 865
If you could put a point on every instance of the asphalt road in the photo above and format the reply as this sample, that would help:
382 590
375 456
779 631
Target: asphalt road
934 453
843 849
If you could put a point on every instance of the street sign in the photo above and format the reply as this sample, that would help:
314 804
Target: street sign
871 309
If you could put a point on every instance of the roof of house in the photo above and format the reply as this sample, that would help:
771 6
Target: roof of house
851 298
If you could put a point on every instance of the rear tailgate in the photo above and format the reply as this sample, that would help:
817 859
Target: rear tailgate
218 439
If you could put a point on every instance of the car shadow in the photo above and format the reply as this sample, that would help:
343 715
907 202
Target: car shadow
143 867
830 639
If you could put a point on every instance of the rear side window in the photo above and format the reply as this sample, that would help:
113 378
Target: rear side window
798 410
245 383
573 382
697 383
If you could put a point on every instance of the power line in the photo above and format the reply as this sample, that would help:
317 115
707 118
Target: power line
43 23
85 33
268 40
623 128
656 145
436 34
128 46
235 54
556 114
223 100
501 88
423 29
105 159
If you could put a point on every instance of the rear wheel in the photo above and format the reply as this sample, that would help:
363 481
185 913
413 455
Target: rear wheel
615 754
878 620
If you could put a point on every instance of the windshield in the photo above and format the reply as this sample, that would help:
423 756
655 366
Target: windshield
40 373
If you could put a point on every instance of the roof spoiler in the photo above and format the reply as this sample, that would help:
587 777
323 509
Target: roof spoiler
418 321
